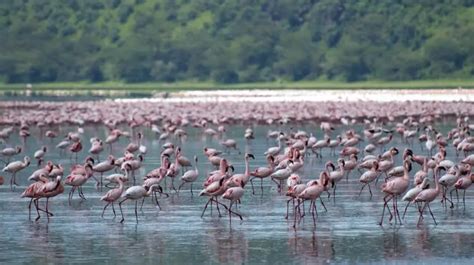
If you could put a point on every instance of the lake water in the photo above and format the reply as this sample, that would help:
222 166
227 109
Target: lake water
347 233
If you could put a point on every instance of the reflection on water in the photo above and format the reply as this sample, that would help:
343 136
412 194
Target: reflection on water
347 233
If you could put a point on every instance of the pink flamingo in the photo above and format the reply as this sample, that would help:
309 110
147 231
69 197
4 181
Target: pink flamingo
237 179
263 172
112 195
463 184
393 189
234 194
135 193
427 196
190 176
76 147
32 191
77 180
311 193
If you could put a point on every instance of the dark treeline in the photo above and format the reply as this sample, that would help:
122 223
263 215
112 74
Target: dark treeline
233 41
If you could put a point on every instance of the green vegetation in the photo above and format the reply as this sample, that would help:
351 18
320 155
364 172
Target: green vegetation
274 42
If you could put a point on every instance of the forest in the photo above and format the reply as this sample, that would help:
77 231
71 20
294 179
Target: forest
235 41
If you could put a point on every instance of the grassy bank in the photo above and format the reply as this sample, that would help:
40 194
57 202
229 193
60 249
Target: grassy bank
179 86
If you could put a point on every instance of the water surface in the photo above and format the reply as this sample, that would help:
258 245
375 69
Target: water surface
348 233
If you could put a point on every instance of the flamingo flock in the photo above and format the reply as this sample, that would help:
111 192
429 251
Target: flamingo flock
359 149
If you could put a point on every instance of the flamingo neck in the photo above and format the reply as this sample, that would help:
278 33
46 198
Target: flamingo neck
436 177
247 173
120 184
150 190
405 171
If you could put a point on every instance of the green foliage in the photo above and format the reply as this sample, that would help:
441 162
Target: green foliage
230 41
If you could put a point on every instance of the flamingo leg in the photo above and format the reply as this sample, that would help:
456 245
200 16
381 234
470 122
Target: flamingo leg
294 223
104 209
217 204
205 207
136 213
29 209
225 206
404 212
156 200
322 203
180 186
464 198
370 190
251 183
81 194
230 215
37 209
113 209
120 206
385 205
432 214
288 206
421 210
299 209
396 208
362 188
48 213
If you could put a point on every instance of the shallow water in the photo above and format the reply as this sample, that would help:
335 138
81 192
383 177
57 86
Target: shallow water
347 233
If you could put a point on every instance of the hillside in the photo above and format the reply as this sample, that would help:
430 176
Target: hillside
232 41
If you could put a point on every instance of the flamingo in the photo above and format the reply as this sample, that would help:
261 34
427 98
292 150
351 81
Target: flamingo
293 192
263 172
103 167
336 175
9 152
133 147
213 190
135 193
134 164
312 193
50 189
63 145
112 195
412 193
15 167
281 175
76 147
369 176
183 161
394 188
32 192
112 138
234 194
463 184
190 176
273 151
350 165
427 196
77 180
237 179
230 144
96 148
40 154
